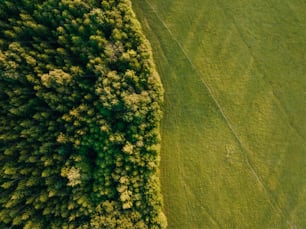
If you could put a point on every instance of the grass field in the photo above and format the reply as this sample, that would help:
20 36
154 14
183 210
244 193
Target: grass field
234 126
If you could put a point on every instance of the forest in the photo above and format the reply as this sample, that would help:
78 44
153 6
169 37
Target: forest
80 111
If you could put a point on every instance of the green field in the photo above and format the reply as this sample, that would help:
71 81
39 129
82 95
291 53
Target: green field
234 127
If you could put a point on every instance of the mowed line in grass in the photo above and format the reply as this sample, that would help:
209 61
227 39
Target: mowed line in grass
284 120
184 217
277 101
243 147
231 207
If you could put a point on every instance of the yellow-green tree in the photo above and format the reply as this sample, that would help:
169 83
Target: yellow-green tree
79 117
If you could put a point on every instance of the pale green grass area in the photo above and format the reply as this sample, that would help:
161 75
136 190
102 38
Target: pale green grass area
234 127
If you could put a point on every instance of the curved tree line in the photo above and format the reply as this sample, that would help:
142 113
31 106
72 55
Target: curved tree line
79 117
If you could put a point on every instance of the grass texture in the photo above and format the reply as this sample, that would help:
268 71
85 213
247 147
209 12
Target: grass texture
234 126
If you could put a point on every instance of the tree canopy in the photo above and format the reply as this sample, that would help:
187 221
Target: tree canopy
79 117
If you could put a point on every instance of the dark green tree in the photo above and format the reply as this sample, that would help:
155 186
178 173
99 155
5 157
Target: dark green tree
79 117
